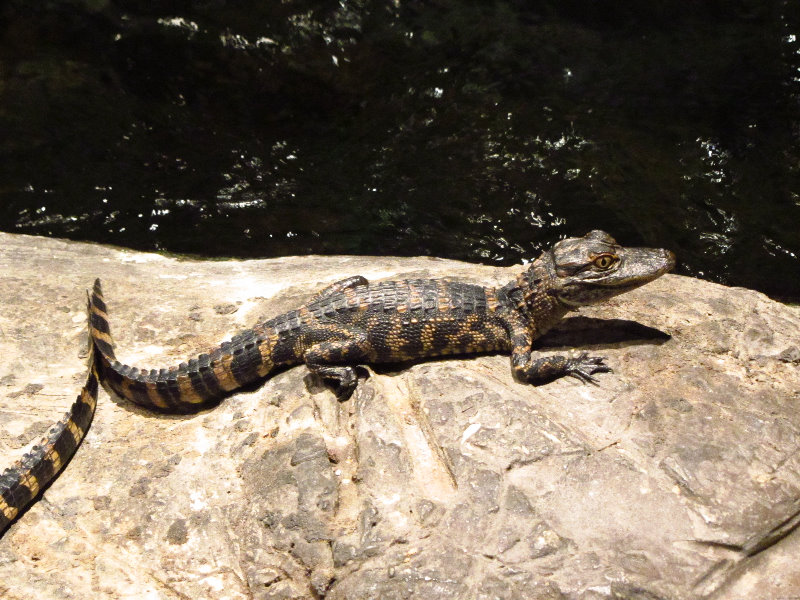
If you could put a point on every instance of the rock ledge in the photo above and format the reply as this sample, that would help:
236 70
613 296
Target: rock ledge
677 477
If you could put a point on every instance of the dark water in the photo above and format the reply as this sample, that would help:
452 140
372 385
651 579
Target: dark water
479 130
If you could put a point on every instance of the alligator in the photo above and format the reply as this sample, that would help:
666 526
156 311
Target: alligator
24 481
354 322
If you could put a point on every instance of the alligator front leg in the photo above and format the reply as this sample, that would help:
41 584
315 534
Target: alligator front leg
549 368
336 361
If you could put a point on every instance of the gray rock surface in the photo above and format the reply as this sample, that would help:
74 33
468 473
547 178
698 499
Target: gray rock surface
677 477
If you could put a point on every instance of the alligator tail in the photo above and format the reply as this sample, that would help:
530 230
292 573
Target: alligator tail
246 358
21 483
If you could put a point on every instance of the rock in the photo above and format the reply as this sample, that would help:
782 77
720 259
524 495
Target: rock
676 477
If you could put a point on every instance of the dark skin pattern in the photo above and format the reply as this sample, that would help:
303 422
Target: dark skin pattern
354 322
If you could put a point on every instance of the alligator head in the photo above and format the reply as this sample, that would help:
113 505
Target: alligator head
595 267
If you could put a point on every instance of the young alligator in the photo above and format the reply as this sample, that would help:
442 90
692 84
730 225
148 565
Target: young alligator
355 322
21 483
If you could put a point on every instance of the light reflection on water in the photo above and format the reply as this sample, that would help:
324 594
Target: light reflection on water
480 131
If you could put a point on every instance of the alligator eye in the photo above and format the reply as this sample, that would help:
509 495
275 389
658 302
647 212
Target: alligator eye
604 261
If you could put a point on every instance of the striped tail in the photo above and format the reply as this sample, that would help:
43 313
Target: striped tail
189 386
21 483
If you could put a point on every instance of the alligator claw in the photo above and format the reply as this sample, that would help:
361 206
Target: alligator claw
345 381
343 390
584 366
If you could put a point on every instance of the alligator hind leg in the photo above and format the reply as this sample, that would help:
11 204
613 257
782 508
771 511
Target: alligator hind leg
336 361
338 287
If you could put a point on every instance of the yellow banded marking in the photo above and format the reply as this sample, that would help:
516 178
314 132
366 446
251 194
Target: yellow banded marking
414 297
265 349
103 315
443 299
428 336
76 432
152 393
492 304
299 347
102 335
97 310
9 512
187 391
54 457
31 482
154 396
225 378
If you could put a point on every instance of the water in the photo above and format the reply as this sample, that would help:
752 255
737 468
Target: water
481 131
